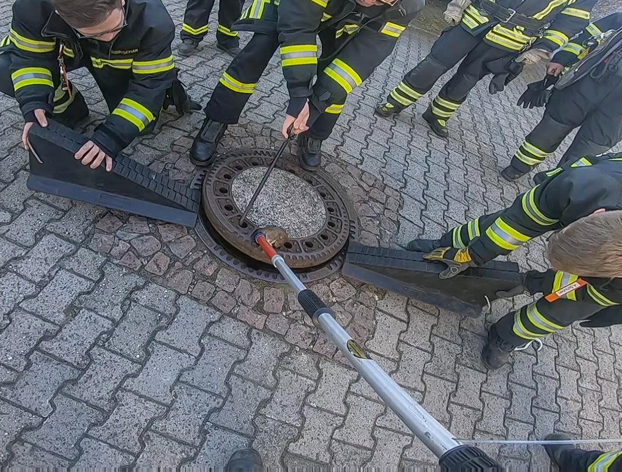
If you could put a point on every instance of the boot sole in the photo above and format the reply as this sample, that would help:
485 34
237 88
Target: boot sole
508 179
203 163
386 115
306 167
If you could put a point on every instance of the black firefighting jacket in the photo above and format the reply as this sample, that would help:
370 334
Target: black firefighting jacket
137 66
560 20
299 22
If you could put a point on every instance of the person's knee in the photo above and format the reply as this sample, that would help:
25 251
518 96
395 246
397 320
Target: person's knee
6 84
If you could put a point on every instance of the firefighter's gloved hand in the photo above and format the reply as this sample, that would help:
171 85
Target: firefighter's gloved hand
533 56
497 83
608 317
501 80
176 96
456 260
455 10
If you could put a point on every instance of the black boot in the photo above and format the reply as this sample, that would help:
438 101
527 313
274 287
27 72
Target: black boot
437 125
554 452
423 245
75 113
187 47
511 174
310 156
232 50
205 144
496 352
245 460
387 109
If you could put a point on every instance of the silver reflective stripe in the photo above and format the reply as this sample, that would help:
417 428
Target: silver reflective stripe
603 463
31 75
343 74
393 29
297 55
168 63
25 44
505 236
250 88
134 112
256 8
519 330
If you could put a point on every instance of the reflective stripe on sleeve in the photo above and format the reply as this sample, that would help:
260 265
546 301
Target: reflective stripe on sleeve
473 229
235 85
304 54
533 212
334 109
556 37
564 279
549 8
134 112
344 75
31 76
31 45
599 297
99 63
504 236
153 67
574 48
457 241
604 462
194 31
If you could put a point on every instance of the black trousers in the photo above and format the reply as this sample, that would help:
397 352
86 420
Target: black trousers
240 80
455 44
197 16
595 107
578 460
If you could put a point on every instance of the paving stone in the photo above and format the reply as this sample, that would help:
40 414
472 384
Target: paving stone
411 366
493 414
568 384
146 246
160 372
463 420
253 318
262 358
590 410
135 330
182 247
286 402
16 193
76 221
127 422
24 228
96 452
40 260
170 232
609 395
443 363
227 280
86 263
611 424
569 415
386 336
420 326
271 440
342 290
158 264
109 223
471 355
9 251
107 297
207 266
72 418
394 305
232 331
13 421
301 336
361 417
566 356
213 366
185 418
331 390
188 326
316 433
102 378
590 429
520 432
448 326
157 298
588 374
546 363
37 386
102 243
437 396
302 363
585 345
520 409
389 448
247 293
522 372
163 453
218 447
28 456
203 291
606 367
469 388
349 457
21 335
278 324
223 302
274 298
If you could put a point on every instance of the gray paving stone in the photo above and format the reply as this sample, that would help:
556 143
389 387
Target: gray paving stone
24 228
606 368
262 358
127 422
493 414
188 326
569 416
546 363
21 335
332 388
157 298
160 372
185 418
590 410
72 418
52 302
274 298
14 420
611 424
102 378
420 326
316 433
16 193
302 363
134 331
588 374
448 326
469 388
520 408
443 363
76 221
29 456
163 453
9 251
471 355
568 384
437 393
463 420
522 372
13 289
182 247
232 331
546 388
346 456
609 395
218 447
96 452
411 366
361 417
76 337
386 336
389 448
271 440
212 368
110 293
286 402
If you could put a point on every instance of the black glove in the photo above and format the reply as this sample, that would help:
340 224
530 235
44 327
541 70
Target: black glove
608 317
531 282
176 95
456 260
500 81
537 93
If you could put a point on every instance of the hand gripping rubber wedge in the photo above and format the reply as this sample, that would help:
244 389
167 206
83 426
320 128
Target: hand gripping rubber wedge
130 186
407 273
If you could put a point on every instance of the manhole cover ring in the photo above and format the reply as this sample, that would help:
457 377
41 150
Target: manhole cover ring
224 215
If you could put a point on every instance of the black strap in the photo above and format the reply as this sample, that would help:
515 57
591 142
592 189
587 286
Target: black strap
511 17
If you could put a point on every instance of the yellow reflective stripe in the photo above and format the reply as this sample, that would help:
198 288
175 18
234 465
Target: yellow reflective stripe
134 112
61 95
31 76
68 52
520 330
564 279
551 6
553 172
534 150
153 67
537 319
399 99
504 236
236 85
495 38
303 54
334 109
604 462
31 45
226 31
458 243
583 162
532 211
256 9
447 104
392 29
99 63
326 16
599 297
442 113
473 229
584 14
469 22
195 31
412 93
593 30
344 75
574 48
530 161
476 15
320 3
557 37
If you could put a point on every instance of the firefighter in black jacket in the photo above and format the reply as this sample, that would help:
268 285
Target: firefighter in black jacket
569 459
493 38
592 103
356 37
194 28
125 44
582 201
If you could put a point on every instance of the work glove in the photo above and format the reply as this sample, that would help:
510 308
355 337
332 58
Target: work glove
531 282
499 81
608 317
538 93
454 11
176 96
533 56
456 260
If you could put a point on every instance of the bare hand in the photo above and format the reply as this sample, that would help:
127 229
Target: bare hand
553 68
43 121
91 154
300 123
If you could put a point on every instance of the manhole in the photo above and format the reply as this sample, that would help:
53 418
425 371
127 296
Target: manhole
310 206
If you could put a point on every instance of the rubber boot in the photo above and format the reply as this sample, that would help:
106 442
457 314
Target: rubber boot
310 156
387 109
511 174
554 452
75 113
187 47
245 460
231 50
438 126
496 352
423 245
206 143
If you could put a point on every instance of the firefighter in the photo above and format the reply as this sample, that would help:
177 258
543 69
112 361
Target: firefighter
593 103
356 36
569 459
125 45
582 201
194 28
493 38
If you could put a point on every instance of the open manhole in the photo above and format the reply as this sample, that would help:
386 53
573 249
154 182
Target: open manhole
310 206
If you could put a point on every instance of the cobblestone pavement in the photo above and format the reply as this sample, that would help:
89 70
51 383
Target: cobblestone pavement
124 342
